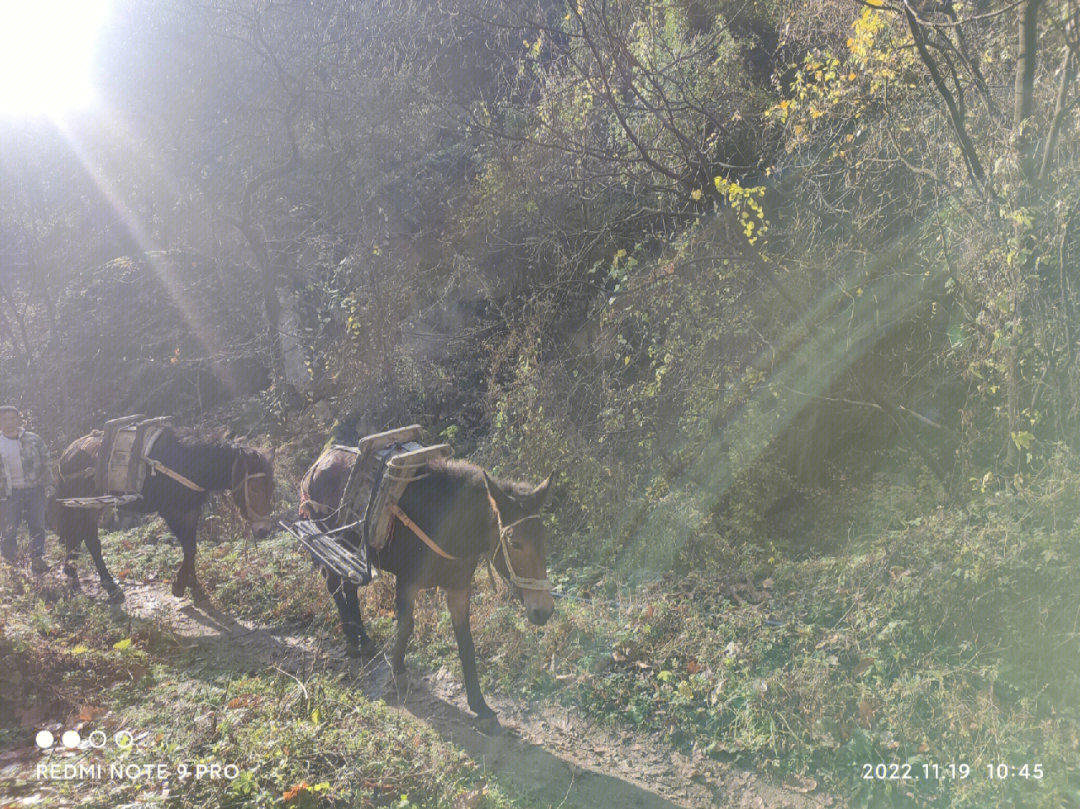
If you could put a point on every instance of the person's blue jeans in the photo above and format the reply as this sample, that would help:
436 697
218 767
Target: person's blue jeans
28 504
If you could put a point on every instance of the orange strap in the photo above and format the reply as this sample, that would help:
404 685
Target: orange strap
401 515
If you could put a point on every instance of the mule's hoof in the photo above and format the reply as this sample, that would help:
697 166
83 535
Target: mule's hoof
397 688
352 648
116 595
178 589
489 725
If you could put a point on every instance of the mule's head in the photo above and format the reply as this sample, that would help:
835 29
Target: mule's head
252 488
520 556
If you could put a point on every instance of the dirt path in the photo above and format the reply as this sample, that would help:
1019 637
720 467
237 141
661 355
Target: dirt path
547 755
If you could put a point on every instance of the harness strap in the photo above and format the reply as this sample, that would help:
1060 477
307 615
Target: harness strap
401 515
305 500
158 466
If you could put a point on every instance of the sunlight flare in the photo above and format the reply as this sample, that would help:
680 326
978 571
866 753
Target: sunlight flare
47 50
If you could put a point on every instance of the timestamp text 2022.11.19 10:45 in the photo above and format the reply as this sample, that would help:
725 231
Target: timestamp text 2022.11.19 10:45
927 771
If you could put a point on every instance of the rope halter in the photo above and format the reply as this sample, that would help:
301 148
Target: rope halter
505 532
242 486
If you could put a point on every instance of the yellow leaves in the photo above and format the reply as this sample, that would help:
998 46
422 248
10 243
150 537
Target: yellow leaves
80 649
874 3
696 194
120 645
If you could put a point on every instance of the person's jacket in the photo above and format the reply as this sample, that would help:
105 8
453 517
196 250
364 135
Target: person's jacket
36 463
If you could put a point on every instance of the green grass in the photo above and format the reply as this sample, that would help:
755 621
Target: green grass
950 640
929 638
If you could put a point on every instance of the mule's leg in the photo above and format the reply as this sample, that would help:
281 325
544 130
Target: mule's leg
93 544
184 526
352 605
71 528
404 601
457 601
344 594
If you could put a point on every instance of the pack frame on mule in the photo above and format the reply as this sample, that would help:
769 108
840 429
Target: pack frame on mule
124 462
341 537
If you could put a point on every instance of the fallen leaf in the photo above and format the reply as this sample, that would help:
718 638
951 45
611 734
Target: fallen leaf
296 791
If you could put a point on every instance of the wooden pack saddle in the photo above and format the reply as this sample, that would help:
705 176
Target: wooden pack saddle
385 464
125 446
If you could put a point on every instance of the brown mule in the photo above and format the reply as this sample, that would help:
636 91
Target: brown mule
452 516
210 466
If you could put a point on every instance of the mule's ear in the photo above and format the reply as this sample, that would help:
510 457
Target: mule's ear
536 499
500 503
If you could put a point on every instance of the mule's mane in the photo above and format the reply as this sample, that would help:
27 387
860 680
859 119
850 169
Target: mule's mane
471 474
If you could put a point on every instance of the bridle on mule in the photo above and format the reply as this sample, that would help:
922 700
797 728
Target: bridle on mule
252 515
502 543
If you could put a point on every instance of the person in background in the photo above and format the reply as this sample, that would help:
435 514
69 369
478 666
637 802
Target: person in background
26 484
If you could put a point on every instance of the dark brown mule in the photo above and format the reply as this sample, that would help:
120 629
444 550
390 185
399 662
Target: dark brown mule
468 516
212 466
